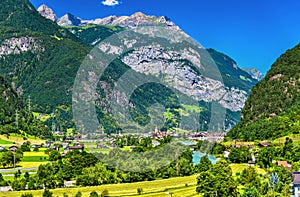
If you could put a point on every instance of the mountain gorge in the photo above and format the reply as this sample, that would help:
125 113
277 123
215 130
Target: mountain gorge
40 55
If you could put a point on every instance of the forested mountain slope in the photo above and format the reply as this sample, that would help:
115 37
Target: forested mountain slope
273 107
15 116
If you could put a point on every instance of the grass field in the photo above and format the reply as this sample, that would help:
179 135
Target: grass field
30 164
19 139
35 159
33 153
5 142
230 143
294 137
181 186
240 167
42 117
192 108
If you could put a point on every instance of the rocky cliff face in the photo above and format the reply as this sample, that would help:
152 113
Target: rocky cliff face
153 60
19 45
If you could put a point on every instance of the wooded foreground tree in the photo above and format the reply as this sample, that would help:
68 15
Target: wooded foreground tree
8 158
217 181
250 192
204 164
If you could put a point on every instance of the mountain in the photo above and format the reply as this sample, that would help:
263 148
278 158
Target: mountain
255 73
14 114
237 82
272 109
38 55
39 58
69 20
66 20
47 12
232 75
134 20
9 102
93 34
42 58
19 17
130 22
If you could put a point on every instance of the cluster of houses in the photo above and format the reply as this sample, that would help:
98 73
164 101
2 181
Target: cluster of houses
204 135
285 164
295 185
209 136
13 148
66 146
106 142
162 134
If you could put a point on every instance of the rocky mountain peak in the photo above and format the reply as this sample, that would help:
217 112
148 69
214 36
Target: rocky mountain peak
256 74
47 12
163 19
138 15
103 21
132 21
140 18
69 20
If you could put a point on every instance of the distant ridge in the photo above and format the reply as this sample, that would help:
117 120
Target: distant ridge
132 21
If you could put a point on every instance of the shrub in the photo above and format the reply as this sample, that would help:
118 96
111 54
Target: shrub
27 195
27 176
104 193
94 194
78 194
47 193
139 191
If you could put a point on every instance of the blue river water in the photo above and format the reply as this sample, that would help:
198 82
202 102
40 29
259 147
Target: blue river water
198 155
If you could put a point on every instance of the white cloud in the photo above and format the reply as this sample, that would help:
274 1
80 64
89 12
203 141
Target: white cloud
110 2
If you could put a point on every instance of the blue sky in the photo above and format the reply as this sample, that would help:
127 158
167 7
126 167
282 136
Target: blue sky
252 32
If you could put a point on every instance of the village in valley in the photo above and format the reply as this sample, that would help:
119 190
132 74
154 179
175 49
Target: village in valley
239 154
